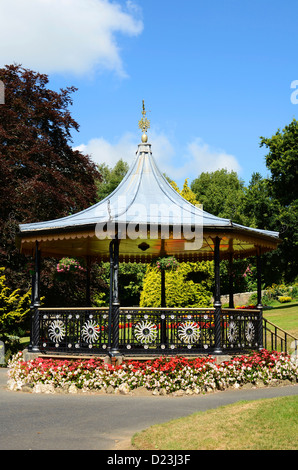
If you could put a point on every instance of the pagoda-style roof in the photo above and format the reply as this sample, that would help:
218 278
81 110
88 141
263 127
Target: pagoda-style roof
150 218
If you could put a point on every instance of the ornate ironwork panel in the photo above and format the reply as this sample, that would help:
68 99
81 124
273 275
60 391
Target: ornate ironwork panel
240 329
145 330
166 330
71 330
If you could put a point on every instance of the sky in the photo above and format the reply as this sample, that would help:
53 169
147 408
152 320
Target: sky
215 75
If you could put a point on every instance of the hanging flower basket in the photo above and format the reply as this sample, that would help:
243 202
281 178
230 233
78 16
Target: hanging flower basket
168 263
69 265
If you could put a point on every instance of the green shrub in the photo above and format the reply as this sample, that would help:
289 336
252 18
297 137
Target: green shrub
189 286
14 312
266 299
277 290
14 307
294 291
130 282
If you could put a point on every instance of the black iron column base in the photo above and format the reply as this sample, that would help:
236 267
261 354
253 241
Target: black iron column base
114 353
217 352
35 333
260 328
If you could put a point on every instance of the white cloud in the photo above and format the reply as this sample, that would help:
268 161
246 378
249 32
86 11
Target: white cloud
102 151
203 158
77 36
198 157
163 152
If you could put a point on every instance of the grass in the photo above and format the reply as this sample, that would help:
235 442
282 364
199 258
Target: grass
25 341
269 424
284 315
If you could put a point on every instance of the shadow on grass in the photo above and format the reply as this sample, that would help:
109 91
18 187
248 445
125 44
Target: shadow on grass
295 304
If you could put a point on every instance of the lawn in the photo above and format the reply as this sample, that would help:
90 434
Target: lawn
270 424
284 315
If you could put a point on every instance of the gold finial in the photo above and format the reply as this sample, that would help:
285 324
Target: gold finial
144 124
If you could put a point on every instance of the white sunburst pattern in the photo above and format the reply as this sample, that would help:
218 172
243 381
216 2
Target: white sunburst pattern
145 332
189 332
90 331
57 331
232 332
250 331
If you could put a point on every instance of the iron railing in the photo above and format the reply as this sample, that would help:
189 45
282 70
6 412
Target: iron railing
146 330
277 339
75 330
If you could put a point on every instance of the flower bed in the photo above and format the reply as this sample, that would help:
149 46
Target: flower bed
163 375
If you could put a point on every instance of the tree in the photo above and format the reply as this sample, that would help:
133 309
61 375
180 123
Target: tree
38 166
259 209
186 192
220 192
110 178
41 176
282 161
130 284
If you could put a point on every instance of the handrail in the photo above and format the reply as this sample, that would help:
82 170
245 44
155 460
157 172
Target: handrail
165 309
284 331
238 310
275 336
71 308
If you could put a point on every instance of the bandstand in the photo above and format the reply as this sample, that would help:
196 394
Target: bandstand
143 219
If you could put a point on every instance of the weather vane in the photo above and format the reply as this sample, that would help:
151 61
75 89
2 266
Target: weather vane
144 124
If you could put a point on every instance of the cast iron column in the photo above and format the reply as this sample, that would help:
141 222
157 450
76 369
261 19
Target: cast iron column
36 302
115 302
217 302
163 327
259 305
32 309
111 294
231 286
